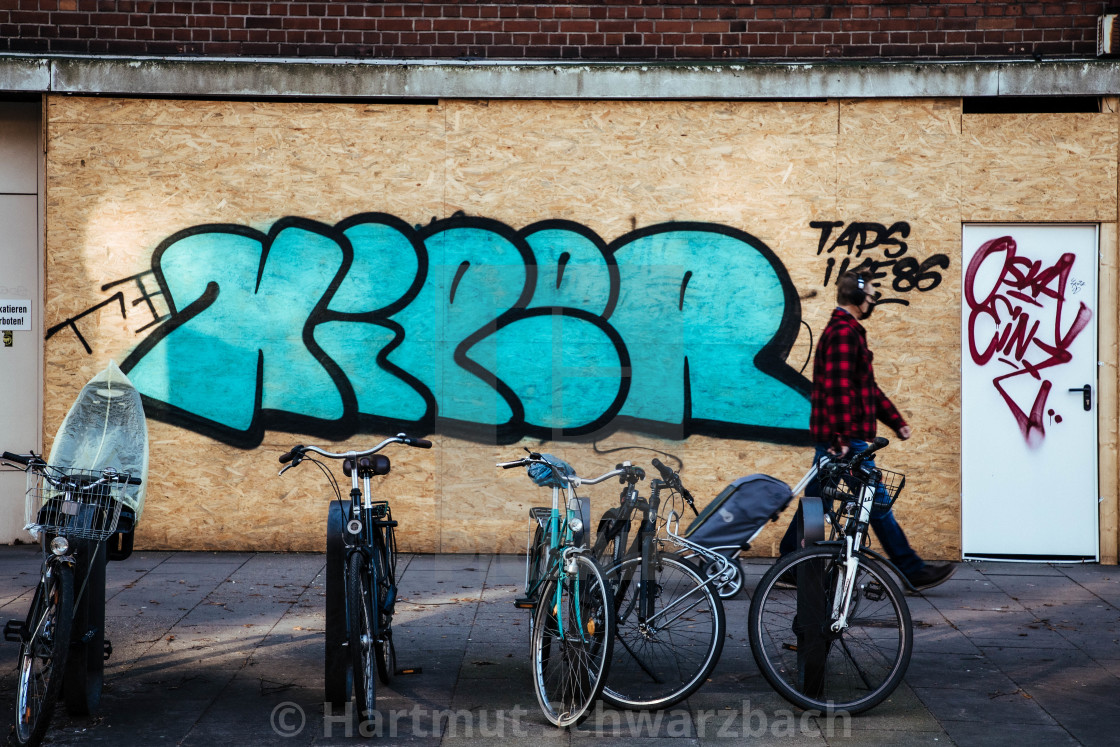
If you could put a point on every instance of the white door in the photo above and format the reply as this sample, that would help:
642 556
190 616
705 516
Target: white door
1029 392
21 336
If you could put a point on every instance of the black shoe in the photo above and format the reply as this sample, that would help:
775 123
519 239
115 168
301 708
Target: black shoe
931 575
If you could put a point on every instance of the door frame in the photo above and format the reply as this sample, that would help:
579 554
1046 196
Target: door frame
38 315
1106 386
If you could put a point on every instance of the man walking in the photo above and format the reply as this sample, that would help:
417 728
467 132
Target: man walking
845 405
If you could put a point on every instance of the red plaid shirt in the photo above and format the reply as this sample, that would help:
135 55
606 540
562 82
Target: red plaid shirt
846 401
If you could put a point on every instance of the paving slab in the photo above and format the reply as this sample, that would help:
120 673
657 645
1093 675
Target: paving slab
228 648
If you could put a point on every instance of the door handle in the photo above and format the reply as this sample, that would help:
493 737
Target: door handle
1086 396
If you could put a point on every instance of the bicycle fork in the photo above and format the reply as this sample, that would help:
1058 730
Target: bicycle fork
846 577
845 585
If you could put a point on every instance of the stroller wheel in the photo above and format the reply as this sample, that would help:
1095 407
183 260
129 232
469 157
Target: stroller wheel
731 587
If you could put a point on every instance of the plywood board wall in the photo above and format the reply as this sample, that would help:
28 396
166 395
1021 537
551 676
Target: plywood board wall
123 175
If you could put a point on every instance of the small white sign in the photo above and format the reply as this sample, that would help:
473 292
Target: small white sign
15 314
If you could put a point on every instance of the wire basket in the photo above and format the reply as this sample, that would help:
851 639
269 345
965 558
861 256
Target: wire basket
887 492
846 487
73 503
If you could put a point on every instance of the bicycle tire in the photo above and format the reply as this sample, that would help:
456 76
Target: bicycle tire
569 670
85 664
535 563
657 665
386 652
337 685
362 632
42 658
809 665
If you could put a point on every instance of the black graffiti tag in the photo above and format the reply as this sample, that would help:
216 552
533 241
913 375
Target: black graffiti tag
856 242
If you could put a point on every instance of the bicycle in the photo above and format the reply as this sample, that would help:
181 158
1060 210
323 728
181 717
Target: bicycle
669 619
572 627
72 512
361 580
841 640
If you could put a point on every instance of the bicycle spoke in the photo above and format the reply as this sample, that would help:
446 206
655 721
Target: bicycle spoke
811 666
660 664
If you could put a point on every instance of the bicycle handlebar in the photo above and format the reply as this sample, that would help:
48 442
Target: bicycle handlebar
36 462
574 480
853 461
24 459
673 479
296 452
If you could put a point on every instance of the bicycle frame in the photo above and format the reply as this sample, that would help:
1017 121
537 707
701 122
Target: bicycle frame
561 545
558 528
648 541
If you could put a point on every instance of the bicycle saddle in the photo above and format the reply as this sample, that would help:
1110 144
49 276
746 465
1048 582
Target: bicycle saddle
377 464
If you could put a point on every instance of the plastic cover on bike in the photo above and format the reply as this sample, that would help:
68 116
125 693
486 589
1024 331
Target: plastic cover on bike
739 513
543 475
106 428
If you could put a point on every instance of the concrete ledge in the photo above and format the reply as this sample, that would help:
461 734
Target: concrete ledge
372 79
24 74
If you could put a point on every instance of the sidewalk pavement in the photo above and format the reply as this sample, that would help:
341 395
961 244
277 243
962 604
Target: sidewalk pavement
228 648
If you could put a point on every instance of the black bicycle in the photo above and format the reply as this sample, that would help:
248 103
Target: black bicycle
669 619
81 522
361 576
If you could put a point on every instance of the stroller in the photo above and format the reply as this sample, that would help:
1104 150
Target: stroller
731 522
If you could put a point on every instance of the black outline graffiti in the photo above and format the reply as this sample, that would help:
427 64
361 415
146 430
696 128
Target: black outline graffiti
908 273
72 322
770 359
145 298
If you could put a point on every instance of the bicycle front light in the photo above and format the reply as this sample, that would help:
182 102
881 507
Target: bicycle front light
576 525
59 546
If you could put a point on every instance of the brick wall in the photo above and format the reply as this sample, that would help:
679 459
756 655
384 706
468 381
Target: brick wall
551 29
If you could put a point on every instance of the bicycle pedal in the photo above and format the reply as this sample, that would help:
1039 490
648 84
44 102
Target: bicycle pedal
411 670
874 592
107 650
15 631
524 603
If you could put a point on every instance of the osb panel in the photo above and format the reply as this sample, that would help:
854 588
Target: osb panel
624 165
1108 346
901 163
123 175
1039 167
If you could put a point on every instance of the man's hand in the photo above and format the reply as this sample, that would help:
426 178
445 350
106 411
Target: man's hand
904 432
839 447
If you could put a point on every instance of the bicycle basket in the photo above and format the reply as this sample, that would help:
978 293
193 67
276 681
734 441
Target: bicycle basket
65 502
845 487
890 486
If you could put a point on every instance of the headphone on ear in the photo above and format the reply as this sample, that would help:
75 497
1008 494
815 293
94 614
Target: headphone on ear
861 286
862 290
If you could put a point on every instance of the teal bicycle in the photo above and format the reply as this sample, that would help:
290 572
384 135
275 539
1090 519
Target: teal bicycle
573 627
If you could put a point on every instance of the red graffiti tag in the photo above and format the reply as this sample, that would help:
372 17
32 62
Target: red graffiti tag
1023 286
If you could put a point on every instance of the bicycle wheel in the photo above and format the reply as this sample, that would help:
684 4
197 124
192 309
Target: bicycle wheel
536 561
664 659
337 686
362 633
386 652
572 639
813 667
610 540
42 657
